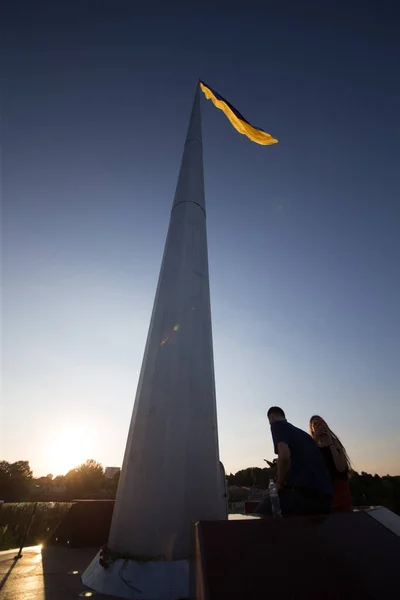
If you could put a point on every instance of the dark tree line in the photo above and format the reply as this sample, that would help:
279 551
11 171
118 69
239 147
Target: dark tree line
88 481
85 481
15 480
253 477
366 489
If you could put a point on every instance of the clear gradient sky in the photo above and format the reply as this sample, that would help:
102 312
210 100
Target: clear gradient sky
304 241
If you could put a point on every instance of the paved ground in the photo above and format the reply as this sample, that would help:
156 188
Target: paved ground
45 574
50 573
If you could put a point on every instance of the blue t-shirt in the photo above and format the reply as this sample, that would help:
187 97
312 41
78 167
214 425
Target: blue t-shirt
307 466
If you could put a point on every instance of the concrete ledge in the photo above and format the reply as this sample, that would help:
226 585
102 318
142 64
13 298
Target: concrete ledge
387 518
347 555
86 524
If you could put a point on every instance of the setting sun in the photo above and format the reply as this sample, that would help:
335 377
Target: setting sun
68 448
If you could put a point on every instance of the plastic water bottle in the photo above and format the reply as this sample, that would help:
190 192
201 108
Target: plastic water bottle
274 496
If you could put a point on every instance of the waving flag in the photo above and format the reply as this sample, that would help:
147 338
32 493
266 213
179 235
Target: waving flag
255 134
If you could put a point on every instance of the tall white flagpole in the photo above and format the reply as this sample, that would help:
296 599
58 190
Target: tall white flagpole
171 474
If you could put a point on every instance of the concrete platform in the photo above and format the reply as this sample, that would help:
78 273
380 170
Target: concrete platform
45 574
351 555
50 573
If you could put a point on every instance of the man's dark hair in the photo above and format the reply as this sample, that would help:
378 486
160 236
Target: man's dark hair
276 411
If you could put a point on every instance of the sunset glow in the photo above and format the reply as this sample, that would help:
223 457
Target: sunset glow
69 447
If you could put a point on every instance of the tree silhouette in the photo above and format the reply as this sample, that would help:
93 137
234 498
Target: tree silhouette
15 480
86 479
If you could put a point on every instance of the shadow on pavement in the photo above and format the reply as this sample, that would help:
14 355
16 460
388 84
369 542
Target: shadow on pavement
3 581
49 573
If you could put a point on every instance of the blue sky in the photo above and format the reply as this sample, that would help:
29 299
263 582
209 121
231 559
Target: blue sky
303 236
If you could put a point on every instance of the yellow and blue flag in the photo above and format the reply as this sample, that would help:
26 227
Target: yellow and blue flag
255 134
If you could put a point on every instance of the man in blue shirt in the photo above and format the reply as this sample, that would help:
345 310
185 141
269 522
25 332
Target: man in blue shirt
303 481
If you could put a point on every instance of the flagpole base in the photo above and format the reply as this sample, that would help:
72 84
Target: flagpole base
126 578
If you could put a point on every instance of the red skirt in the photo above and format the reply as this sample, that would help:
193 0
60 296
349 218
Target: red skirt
341 495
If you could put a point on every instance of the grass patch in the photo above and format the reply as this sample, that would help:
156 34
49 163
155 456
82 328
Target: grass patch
15 516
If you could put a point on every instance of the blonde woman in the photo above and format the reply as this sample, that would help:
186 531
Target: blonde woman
336 460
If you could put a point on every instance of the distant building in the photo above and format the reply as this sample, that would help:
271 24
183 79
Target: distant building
110 472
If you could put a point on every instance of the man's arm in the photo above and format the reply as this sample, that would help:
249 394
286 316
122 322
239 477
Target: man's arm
283 464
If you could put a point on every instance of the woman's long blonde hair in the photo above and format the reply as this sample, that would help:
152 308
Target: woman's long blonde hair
324 436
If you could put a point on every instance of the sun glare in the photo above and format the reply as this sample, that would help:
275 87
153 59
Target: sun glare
68 448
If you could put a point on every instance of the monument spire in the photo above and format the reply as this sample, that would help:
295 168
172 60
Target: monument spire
171 473
190 186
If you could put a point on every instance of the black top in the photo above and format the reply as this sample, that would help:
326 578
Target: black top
307 467
330 464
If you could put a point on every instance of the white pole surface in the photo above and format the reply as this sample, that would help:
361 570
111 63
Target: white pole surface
171 474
